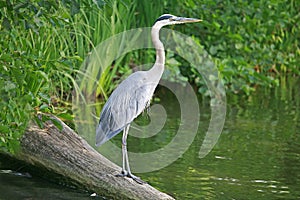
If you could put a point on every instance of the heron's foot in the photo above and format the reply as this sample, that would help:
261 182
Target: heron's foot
136 178
130 175
122 174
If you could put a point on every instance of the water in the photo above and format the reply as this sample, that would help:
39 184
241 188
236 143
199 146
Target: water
19 186
256 157
20 181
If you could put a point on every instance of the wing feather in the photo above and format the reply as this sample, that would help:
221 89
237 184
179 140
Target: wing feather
126 102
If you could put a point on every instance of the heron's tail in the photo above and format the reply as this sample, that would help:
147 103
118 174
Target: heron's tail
100 136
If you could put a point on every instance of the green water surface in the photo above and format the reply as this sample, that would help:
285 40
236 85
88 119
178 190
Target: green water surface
257 155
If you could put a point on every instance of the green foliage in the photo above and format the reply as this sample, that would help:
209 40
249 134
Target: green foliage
251 42
36 62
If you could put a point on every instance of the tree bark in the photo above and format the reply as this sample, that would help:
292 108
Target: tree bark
66 153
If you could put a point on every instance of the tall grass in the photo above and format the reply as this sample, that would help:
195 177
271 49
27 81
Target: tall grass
93 25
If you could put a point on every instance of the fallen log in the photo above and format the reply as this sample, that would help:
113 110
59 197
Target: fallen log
66 153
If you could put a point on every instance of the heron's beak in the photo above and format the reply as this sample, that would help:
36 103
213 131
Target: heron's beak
187 20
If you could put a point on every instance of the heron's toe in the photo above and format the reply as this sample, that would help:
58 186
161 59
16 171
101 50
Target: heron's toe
136 178
125 173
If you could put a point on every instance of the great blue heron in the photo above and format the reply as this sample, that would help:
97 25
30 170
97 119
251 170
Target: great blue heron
133 95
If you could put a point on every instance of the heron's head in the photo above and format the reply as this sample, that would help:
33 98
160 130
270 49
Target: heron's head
168 19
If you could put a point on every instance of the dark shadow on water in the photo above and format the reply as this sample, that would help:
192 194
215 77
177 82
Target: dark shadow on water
22 181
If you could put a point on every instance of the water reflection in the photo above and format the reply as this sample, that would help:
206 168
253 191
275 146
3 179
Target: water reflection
256 157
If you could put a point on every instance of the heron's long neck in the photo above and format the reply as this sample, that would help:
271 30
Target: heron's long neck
158 67
160 50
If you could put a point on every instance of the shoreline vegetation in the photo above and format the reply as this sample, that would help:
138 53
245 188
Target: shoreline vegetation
43 44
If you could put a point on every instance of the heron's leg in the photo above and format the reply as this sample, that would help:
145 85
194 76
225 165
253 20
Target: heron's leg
125 155
125 165
124 151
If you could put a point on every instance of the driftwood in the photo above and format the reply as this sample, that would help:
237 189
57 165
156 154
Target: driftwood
66 153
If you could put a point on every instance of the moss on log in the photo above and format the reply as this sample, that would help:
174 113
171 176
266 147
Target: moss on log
66 153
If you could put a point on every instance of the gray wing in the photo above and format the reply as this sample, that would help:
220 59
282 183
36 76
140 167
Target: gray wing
126 102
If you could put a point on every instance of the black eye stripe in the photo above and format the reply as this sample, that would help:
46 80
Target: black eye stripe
163 17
